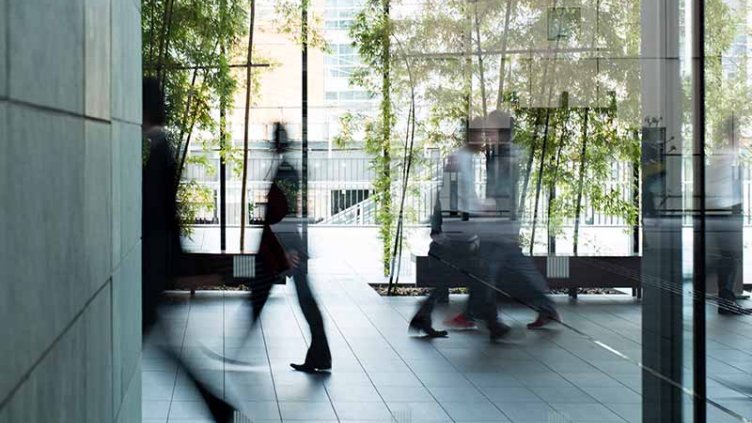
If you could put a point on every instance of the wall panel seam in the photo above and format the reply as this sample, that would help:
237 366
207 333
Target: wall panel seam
39 107
119 264
126 121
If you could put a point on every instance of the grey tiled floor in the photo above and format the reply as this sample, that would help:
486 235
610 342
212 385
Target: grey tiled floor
383 375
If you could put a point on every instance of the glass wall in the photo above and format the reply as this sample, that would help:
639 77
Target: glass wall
631 172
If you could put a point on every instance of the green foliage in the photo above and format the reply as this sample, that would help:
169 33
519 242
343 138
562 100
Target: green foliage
193 199
349 125
452 86
288 20
189 45
371 32
727 94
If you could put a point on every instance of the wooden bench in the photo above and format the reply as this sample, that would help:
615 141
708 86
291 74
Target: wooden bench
561 272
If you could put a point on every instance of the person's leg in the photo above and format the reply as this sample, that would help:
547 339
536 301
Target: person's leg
422 322
260 291
529 286
318 355
486 290
154 275
724 252
221 411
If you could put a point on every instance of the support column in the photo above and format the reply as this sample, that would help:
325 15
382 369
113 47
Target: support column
662 315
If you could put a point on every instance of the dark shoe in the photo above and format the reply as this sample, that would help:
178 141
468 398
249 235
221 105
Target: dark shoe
498 330
221 411
543 320
311 367
421 324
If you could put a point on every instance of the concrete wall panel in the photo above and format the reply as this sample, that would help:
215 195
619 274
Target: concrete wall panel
130 411
46 46
3 49
70 215
98 204
126 52
97 58
6 349
126 322
126 188
98 357
54 391
44 221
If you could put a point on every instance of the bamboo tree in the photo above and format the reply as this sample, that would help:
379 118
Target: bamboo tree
503 55
581 181
538 184
555 173
407 160
371 31
530 161
244 179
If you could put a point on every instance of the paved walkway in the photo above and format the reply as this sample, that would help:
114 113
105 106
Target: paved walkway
381 374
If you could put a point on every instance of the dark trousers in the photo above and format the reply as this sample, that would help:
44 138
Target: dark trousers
515 274
495 266
459 256
318 351
723 237
155 272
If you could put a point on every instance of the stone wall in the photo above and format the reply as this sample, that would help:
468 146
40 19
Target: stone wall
70 211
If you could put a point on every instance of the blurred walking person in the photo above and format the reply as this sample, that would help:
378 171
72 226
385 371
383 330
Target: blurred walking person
283 252
161 248
457 242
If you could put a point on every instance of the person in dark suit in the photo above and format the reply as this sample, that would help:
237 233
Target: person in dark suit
283 252
161 248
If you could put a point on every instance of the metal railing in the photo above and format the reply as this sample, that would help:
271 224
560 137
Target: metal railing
340 192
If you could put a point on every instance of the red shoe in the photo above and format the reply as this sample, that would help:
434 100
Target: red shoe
543 320
460 322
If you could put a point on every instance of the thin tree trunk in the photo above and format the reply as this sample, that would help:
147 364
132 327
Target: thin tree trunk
150 55
578 207
483 96
165 42
529 168
540 179
193 121
386 110
503 58
407 165
162 40
186 115
244 182
552 185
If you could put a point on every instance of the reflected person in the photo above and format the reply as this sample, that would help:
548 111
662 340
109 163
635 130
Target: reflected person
723 219
511 272
460 244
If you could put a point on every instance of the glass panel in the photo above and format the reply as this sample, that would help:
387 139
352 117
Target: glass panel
569 124
726 217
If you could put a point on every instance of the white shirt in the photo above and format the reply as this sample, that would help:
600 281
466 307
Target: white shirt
722 181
